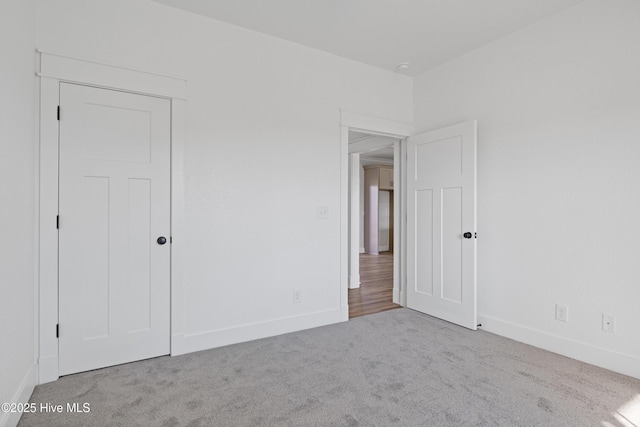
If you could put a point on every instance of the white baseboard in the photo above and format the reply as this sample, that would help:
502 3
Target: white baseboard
613 361
354 281
362 249
383 248
221 337
22 395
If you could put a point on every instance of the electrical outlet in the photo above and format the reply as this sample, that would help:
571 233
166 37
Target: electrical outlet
608 323
562 313
323 212
297 296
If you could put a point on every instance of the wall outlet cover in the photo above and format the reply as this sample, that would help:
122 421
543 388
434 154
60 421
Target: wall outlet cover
323 212
297 296
562 313
608 323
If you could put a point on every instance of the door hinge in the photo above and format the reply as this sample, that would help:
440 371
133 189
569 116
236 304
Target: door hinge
58 330
475 235
57 221
58 112
170 239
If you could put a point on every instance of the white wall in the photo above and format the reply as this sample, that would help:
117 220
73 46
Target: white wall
384 225
362 216
17 195
262 153
558 108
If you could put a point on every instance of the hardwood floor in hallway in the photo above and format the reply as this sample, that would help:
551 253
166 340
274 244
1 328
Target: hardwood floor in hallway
375 293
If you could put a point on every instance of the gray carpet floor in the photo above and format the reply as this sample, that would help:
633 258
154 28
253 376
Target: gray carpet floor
397 368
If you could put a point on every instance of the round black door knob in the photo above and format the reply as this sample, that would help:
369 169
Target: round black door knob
162 240
467 235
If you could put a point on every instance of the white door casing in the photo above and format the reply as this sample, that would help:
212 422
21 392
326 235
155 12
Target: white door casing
367 123
441 208
114 202
54 69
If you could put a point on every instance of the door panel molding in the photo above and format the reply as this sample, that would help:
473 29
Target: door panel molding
54 69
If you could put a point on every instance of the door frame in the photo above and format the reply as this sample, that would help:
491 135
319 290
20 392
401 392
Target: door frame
368 123
53 70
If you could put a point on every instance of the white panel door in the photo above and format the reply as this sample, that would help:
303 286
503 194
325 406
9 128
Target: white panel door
114 205
441 223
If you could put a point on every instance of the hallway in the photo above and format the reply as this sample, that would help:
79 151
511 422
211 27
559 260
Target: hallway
375 293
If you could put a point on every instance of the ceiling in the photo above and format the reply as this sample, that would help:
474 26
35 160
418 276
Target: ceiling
355 136
382 154
382 33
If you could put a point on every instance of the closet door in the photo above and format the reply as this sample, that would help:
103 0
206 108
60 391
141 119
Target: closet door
114 228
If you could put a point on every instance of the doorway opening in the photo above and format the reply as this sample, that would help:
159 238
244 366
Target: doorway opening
435 251
373 167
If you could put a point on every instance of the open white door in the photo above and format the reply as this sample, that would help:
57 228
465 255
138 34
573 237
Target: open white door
441 223
114 206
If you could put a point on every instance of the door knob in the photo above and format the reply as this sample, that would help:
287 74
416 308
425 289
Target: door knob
161 240
467 235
